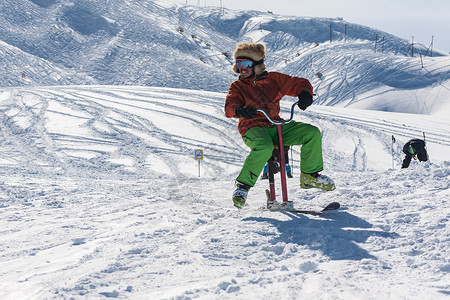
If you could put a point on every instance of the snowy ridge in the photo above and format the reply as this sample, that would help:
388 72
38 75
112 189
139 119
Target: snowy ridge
99 197
102 105
154 43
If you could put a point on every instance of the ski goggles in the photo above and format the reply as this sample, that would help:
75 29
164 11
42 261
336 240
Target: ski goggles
244 63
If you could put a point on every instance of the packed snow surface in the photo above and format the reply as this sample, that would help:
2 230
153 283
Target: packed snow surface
102 104
100 197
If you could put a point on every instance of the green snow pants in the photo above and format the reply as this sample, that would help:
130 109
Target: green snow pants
261 141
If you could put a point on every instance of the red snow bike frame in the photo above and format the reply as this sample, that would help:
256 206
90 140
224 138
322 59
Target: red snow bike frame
271 198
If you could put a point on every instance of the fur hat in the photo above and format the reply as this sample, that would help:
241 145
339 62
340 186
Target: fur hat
254 51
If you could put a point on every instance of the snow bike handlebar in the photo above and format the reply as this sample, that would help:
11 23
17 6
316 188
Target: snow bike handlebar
281 122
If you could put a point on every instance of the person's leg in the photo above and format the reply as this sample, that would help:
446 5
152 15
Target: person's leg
309 136
286 161
260 141
311 162
286 154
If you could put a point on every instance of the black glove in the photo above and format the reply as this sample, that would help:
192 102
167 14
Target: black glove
247 112
305 99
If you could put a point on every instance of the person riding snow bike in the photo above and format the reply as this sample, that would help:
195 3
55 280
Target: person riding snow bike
259 89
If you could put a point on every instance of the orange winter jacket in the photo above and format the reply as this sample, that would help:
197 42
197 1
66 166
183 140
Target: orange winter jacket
264 92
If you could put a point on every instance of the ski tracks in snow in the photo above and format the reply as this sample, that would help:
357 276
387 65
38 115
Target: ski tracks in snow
100 198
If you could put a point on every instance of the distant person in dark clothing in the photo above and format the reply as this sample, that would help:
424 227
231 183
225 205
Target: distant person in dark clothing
414 149
275 154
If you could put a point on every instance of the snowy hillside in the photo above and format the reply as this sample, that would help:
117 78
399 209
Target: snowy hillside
102 104
100 198
154 43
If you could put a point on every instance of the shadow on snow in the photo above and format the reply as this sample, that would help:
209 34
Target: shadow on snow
336 234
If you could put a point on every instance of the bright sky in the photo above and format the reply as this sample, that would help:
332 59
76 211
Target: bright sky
403 18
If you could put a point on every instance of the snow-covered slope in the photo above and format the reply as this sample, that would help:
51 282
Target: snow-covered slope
117 42
100 197
154 43
358 79
102 105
